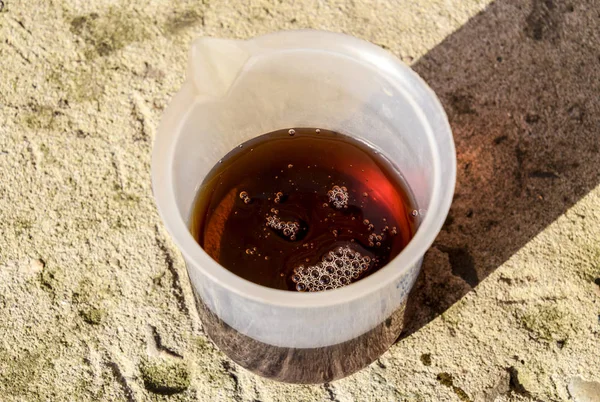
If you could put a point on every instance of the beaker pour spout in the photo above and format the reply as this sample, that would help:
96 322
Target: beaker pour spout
215 63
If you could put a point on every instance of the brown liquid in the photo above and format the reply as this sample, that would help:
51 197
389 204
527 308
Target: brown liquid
303 209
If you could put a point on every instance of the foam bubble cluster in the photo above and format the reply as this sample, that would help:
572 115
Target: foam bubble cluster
288 229
375 239
337 268
338 196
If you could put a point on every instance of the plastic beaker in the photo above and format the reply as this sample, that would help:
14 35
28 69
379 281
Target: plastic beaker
236 90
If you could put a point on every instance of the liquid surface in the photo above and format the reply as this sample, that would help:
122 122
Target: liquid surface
303 209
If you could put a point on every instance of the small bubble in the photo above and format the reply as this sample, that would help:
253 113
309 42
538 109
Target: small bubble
325 280
414 212
378 244
318 130
295 278
300 287
365 194
366 222
241 146
290 166
267 258
335 233
291 131
243 195
220 160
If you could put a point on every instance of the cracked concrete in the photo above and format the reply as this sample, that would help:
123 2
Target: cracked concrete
94 298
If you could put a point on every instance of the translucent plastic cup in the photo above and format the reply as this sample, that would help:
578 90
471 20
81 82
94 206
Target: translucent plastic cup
236 90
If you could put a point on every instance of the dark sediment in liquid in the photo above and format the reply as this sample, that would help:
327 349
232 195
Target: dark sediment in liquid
302 365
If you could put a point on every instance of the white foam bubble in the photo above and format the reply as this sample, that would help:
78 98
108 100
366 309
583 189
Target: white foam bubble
289 229
338 196
337 268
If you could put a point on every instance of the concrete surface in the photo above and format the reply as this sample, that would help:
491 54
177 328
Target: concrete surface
94 299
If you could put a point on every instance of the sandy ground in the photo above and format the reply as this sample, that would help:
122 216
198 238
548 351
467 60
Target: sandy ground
94 299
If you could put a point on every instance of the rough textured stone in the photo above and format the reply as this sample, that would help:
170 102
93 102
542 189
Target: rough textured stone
94 299
584 391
